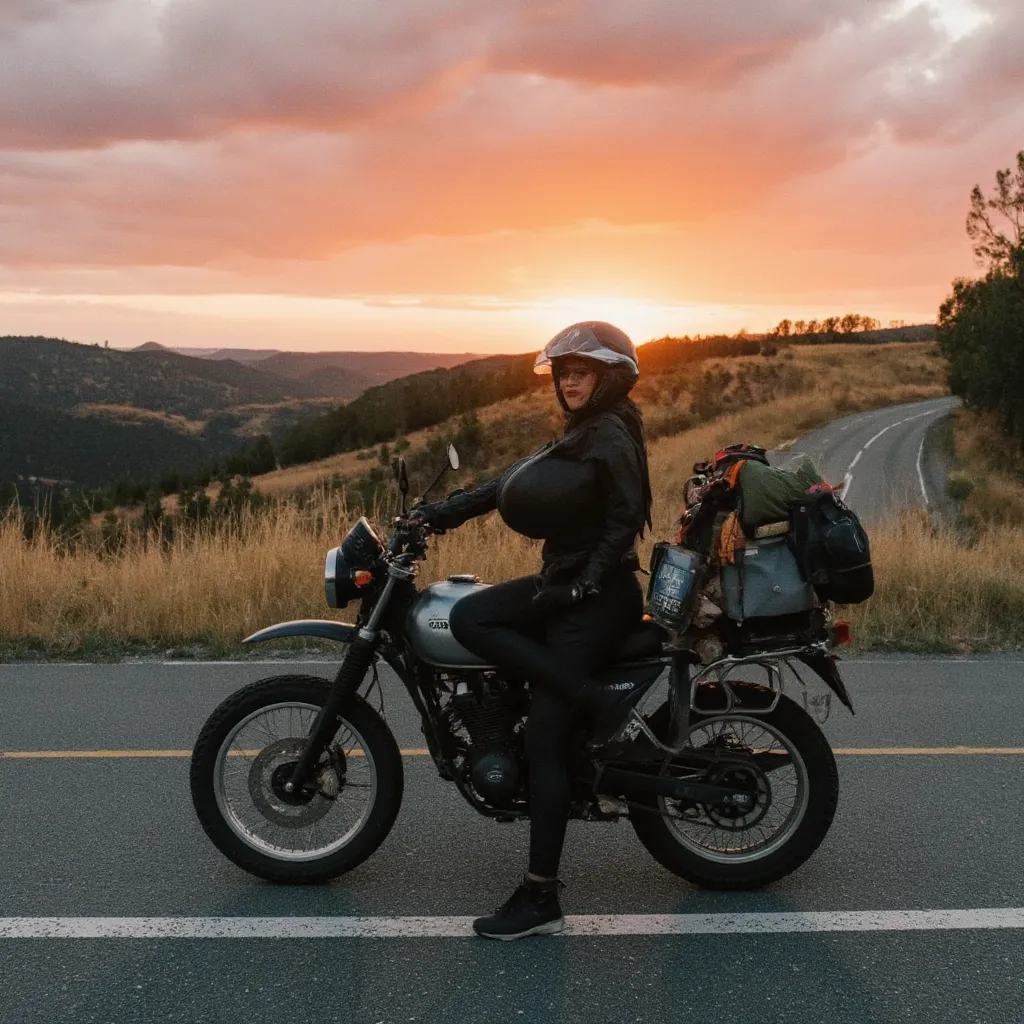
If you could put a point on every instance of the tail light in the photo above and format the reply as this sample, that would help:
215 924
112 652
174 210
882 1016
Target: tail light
842 635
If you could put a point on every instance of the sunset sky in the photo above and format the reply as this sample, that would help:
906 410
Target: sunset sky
472 175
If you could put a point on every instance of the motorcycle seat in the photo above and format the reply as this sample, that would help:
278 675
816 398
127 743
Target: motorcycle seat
645 640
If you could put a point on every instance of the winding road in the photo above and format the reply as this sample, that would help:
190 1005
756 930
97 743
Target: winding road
879 455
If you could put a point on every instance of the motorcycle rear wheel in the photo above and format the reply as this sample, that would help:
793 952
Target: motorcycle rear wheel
242 757
674 835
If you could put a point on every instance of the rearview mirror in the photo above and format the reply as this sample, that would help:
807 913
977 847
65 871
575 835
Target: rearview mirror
453 463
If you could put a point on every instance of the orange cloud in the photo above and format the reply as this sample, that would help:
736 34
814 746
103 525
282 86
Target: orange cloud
452 149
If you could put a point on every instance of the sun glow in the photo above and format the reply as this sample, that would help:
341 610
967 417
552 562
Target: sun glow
640 320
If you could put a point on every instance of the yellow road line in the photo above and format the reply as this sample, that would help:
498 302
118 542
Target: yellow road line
924 751
35 755
38 755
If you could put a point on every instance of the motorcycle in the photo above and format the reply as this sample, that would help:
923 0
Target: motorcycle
298 779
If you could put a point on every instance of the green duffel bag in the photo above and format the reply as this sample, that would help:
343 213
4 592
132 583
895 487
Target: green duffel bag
766 492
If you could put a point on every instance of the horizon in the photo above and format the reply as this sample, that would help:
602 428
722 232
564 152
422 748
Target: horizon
472 177
270 350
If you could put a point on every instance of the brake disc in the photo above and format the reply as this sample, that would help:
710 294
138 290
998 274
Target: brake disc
745 778
270 769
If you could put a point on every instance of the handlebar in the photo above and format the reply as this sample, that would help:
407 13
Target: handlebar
410 535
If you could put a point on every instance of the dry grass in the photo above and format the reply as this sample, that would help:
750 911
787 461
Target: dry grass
204 586
214 588
936 592
133 414
987 466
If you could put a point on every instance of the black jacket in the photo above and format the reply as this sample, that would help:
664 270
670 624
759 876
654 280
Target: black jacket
586 495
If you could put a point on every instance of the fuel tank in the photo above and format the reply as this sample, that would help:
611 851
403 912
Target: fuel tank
427 626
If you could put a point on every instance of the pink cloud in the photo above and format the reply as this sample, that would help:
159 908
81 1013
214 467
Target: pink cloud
83 74
454 147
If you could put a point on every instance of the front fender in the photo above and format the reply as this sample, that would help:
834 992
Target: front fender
325 629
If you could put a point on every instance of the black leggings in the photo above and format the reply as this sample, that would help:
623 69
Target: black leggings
556 654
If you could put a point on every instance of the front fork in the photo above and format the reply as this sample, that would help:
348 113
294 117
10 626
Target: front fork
354 666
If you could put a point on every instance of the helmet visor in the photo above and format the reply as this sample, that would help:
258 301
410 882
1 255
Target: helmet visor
580 341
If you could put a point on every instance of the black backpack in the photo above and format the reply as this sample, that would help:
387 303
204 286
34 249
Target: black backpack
831 548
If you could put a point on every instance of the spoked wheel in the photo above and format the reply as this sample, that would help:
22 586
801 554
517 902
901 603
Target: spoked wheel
784 762
246 754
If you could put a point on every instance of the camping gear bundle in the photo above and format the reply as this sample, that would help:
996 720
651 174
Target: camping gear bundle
757 543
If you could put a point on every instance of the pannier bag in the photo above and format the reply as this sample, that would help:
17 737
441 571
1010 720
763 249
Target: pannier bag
675 582
765 582
831 547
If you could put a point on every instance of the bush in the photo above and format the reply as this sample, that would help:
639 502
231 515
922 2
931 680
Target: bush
959 488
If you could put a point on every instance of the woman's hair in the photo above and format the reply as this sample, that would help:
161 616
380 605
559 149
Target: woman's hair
610 393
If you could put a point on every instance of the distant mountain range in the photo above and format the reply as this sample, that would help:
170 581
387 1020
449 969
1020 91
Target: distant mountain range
333 374
86 414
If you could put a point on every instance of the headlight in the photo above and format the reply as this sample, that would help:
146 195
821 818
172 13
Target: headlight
331 578
341 582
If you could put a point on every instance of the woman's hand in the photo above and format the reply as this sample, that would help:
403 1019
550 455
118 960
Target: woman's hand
420 517
558 596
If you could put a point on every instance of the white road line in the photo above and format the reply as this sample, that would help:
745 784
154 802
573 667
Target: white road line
848 477
920 472
847 482
461 927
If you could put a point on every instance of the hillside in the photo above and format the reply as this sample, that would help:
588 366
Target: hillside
89 415
93 449
341 374
675 395
373 367
54 374
155 595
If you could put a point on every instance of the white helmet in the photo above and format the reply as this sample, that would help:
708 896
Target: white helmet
591 339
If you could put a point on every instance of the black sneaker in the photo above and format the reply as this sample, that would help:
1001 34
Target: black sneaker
532 909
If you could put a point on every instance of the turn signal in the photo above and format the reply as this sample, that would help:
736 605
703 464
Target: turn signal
362 577
842 634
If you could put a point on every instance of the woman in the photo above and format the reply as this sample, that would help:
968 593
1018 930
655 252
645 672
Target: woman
588 497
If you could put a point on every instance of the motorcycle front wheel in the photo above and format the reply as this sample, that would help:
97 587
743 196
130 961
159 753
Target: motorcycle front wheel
783 759
245 754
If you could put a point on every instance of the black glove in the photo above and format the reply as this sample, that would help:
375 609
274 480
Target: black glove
557 596
421 517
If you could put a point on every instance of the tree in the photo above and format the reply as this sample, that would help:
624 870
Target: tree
981 324
995 225
8 496
981 332
152 511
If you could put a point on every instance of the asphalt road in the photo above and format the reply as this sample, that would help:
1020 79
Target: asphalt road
881 456
116 838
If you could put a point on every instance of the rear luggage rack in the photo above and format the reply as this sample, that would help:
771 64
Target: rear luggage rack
771 661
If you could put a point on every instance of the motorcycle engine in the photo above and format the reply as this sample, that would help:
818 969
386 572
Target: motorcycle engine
488 709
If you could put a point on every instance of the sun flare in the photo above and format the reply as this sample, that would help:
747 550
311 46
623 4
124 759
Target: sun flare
640 320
